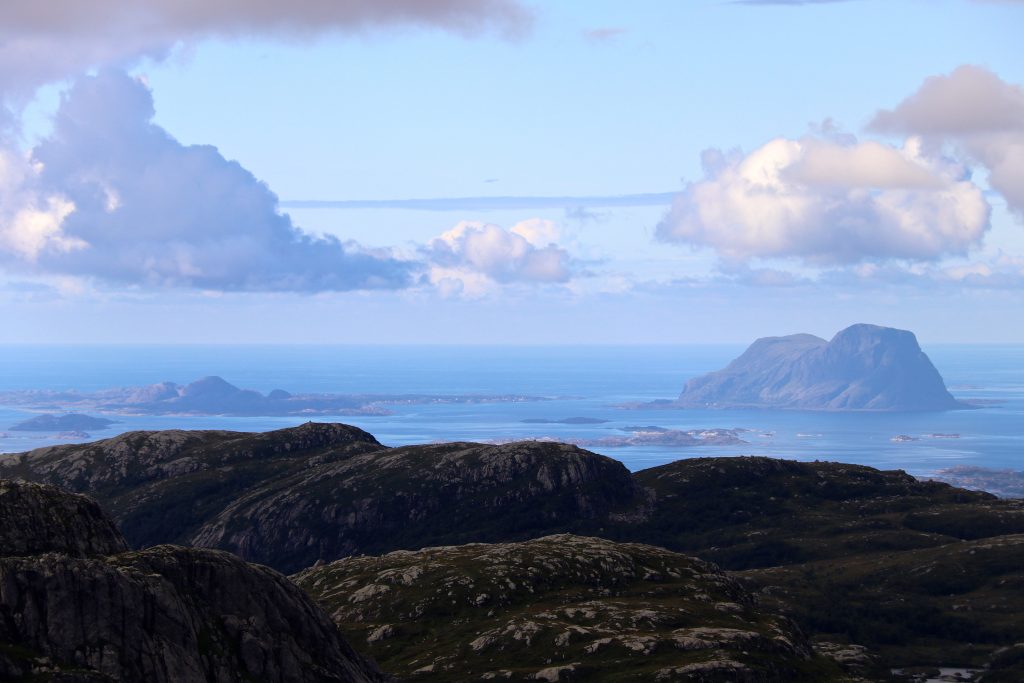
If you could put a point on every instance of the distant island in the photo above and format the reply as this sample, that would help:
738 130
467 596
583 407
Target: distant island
70 423
215 396
864 367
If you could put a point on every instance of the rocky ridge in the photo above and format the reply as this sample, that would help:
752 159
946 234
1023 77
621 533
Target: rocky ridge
322 491
422 495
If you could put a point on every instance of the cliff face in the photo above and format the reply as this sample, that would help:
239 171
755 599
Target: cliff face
863 367
71 611
559 608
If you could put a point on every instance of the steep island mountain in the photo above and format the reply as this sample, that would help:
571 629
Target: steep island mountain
864 367
876 567
76 606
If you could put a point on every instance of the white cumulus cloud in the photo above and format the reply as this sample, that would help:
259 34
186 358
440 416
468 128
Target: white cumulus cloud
829 201
473 256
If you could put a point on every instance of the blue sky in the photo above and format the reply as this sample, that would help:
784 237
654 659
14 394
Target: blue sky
117 228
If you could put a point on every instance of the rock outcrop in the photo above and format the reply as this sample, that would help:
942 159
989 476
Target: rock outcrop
75 608
864 367
559 608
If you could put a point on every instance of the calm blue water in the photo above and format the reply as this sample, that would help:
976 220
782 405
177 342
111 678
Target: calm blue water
590 382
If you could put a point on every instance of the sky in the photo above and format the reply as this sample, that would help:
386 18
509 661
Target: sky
583 172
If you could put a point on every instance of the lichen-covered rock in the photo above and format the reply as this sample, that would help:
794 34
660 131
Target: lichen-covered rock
558 608
71 611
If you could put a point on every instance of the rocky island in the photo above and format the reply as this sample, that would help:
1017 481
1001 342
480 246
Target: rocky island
864 367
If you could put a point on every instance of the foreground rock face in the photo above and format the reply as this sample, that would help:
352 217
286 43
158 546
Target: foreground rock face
296 496
163 615
863 367
559 608
292 497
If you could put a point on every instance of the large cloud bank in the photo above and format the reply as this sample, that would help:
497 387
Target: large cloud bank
111 195
44 40
829 201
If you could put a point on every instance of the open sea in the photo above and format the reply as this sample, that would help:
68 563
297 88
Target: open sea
589 382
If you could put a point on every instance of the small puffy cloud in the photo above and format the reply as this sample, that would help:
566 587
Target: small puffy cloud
112 196
976 112
472 256
829 201
44 40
